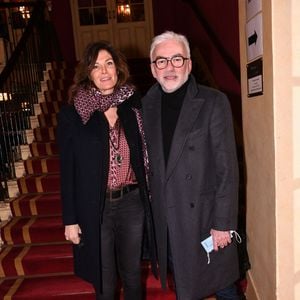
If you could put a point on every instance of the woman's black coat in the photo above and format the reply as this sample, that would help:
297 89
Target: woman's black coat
84 162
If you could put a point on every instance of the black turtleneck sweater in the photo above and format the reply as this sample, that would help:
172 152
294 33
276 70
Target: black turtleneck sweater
170 109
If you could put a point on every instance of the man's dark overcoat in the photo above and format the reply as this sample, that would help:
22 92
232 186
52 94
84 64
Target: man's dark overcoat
196 191
84 161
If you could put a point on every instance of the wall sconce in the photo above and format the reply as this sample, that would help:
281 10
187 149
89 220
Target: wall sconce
5 96
124 10
24 12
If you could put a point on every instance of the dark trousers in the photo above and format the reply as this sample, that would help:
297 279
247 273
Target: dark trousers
228 293
121 245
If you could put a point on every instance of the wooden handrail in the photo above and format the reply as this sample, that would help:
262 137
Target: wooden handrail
234 68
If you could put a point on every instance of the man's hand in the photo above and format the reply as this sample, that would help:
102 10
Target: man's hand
220 238
72 233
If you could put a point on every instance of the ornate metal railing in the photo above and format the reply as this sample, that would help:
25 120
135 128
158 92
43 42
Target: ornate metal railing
29 44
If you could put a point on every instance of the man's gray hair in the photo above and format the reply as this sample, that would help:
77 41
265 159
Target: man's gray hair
166 36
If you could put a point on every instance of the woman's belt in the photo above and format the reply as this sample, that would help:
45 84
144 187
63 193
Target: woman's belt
114 195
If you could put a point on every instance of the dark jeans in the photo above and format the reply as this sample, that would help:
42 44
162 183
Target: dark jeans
121 245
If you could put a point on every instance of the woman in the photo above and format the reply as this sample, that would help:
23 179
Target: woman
103 182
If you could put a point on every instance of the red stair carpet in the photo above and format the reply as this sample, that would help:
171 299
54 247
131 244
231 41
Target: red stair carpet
35 260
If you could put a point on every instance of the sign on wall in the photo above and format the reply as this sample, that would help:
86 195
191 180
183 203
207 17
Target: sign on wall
253 7
255 78
254 37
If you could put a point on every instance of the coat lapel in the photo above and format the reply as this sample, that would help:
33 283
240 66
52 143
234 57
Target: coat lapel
97 126
187 117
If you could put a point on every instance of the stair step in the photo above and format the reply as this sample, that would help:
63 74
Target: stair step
39 183
36 204
46 134
34 229
62 287
49 164
36 260
51 107
46 120
39 149
58 95
59 84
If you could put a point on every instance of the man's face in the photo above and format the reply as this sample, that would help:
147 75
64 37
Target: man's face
171 78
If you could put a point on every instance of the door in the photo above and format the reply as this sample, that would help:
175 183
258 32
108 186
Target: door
127 24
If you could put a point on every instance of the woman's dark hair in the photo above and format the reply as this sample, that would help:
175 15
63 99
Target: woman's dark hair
85 66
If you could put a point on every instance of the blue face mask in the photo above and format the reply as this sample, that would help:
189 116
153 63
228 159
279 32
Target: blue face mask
208 244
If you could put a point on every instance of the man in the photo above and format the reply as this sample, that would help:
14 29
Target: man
193 174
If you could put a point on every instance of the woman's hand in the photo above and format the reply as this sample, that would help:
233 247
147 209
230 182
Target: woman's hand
220 238
72 233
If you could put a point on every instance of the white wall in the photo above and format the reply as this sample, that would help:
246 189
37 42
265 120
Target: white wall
271 124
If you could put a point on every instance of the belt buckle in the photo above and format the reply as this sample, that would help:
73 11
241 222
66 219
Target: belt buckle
111 199
124 190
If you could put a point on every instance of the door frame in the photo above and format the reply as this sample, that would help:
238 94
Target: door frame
75 23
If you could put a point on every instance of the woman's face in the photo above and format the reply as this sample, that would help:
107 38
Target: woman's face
104 73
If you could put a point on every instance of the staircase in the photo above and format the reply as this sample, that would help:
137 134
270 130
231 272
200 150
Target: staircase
35 260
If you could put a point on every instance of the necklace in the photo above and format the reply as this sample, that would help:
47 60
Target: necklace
117 157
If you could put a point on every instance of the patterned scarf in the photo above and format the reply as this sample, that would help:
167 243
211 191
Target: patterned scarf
87 101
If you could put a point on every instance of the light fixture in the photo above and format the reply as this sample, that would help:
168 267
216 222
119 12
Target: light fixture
5 96
123 10
24 12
